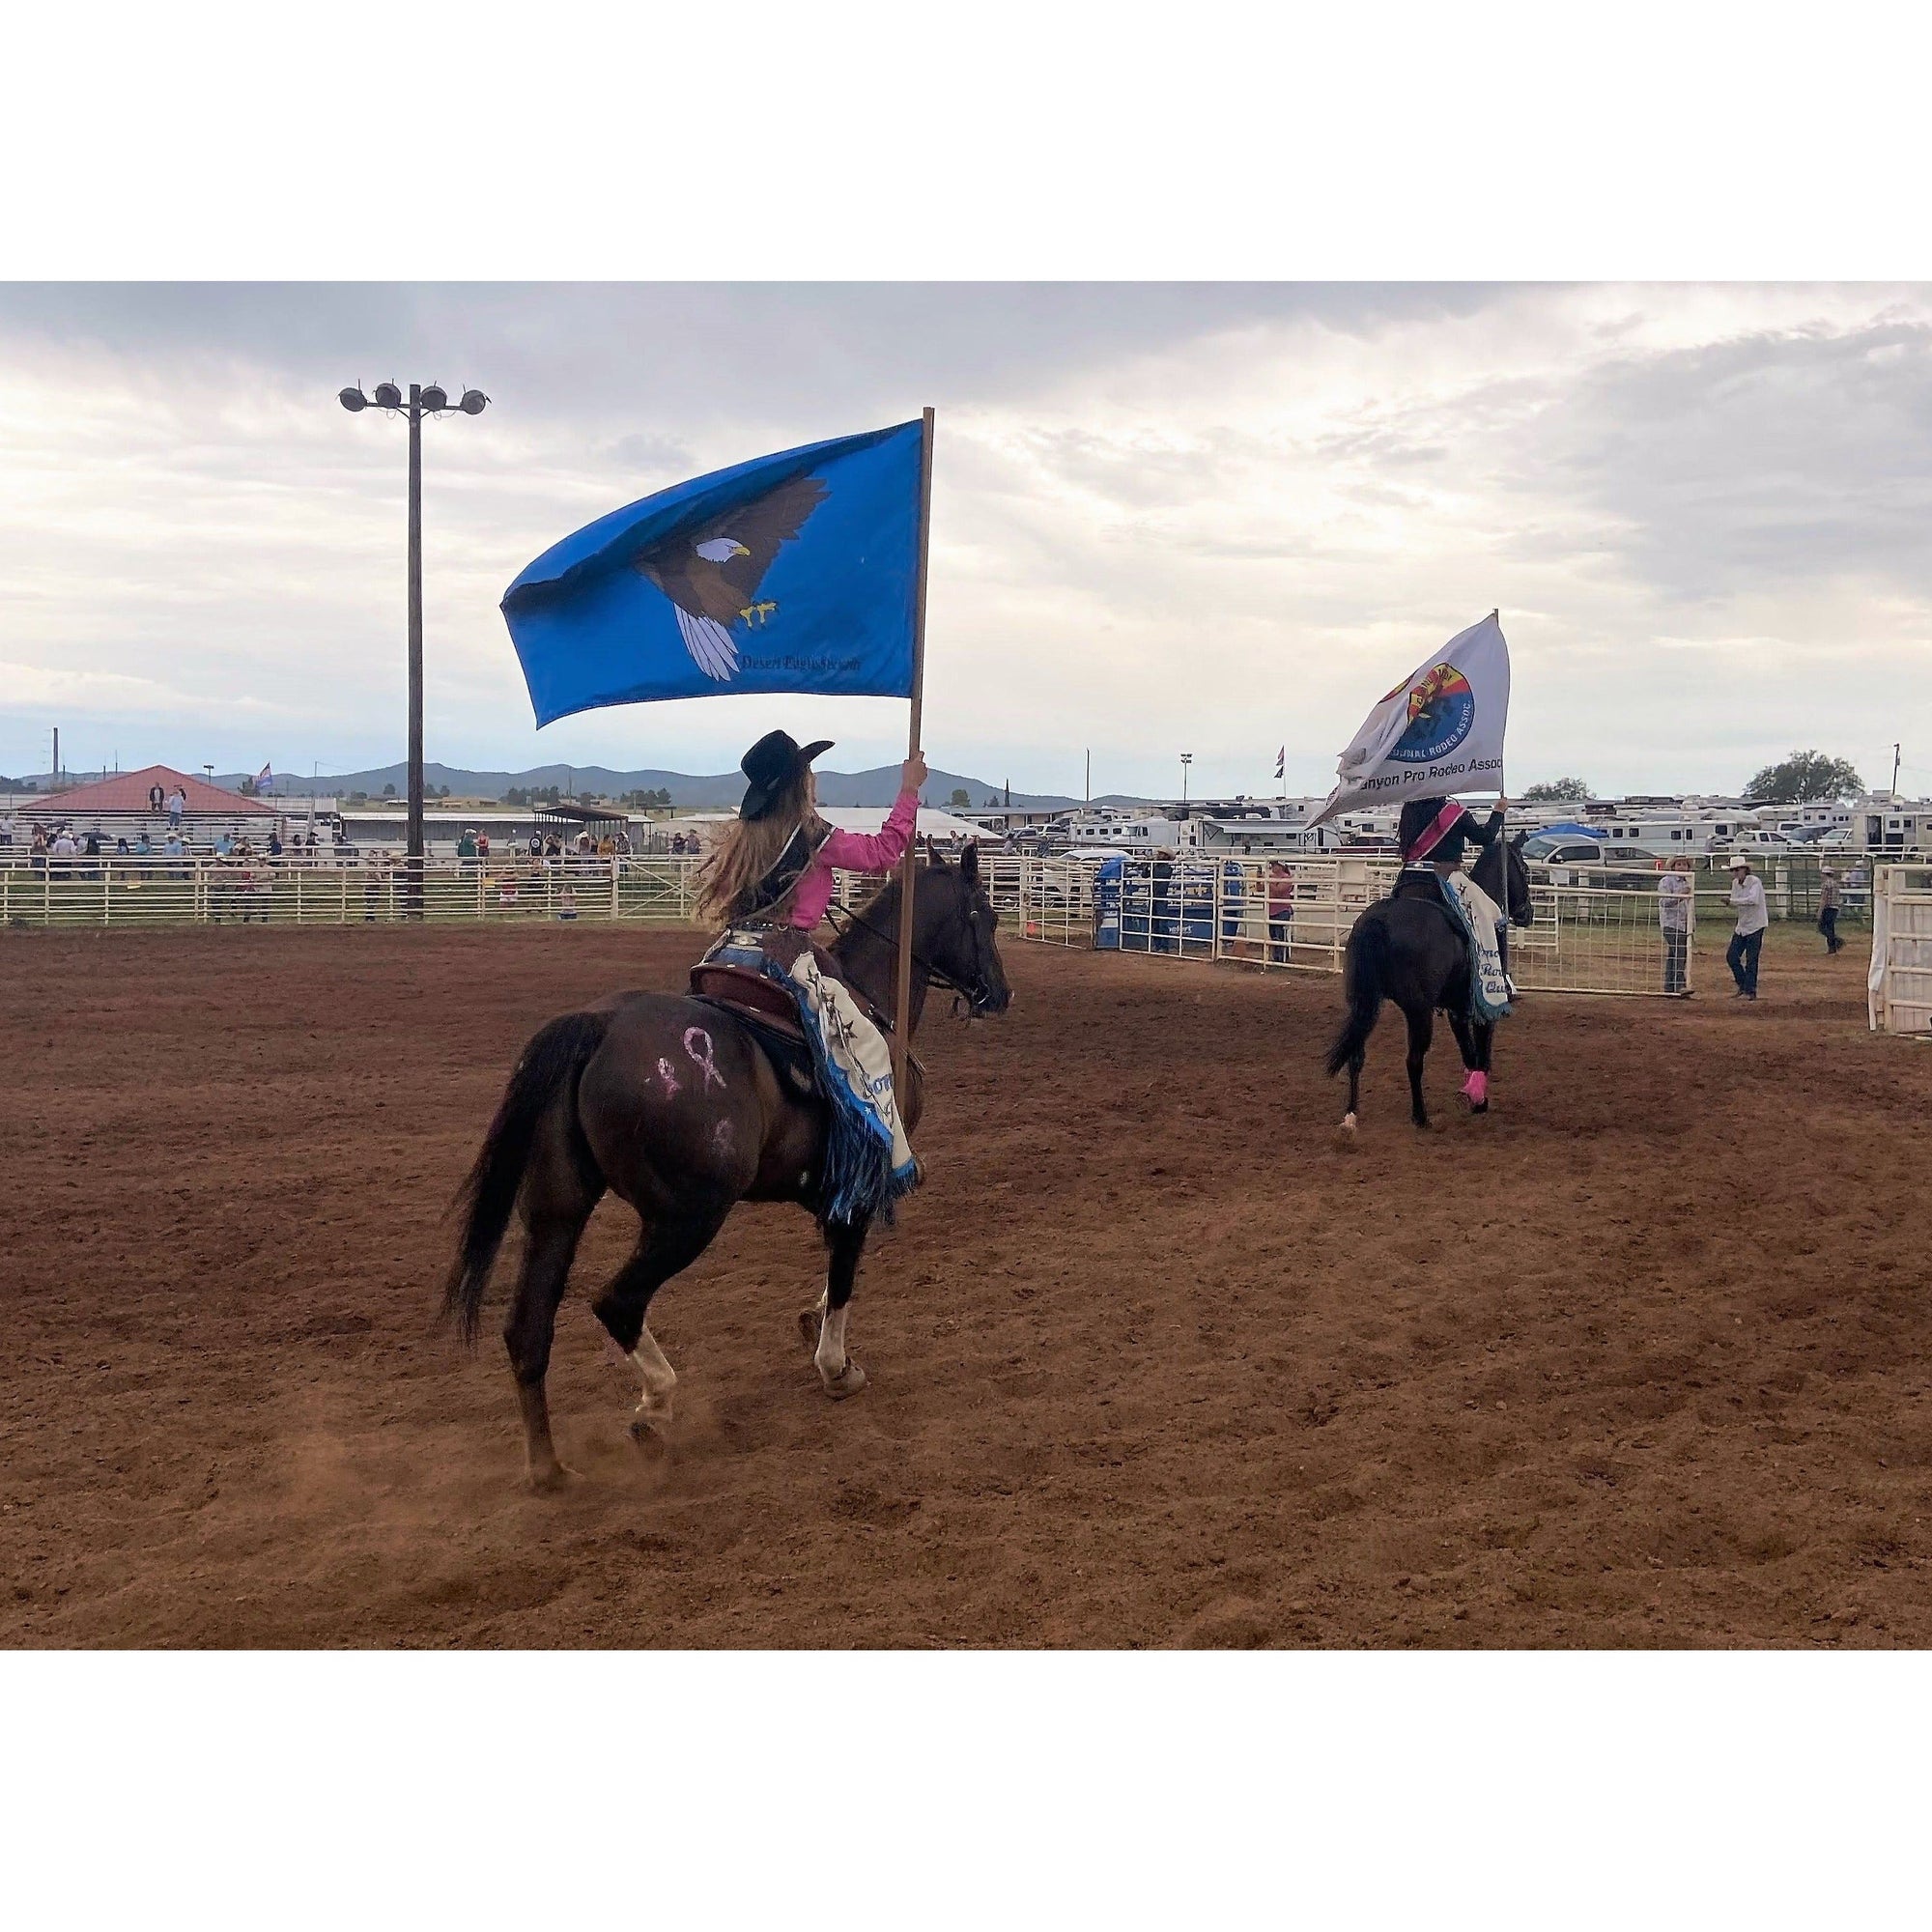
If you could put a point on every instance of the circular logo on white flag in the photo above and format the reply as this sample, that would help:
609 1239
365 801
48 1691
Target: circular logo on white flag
1441 709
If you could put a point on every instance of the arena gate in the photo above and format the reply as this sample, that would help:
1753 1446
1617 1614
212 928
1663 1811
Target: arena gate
1296 914
1900 997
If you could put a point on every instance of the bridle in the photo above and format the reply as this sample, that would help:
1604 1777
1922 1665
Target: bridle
978 997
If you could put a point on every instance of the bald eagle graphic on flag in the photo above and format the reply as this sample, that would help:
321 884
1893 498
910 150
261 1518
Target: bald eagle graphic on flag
712 575
793 572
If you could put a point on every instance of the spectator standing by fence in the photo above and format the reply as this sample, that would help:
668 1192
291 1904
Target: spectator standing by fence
1676 900
1281 911
1747 941
177 805
1828 910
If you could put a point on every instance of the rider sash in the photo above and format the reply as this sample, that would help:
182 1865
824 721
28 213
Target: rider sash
1439 829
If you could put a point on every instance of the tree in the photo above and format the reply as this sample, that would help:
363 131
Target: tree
1557 791
959 800
247 787
1805 775
388 791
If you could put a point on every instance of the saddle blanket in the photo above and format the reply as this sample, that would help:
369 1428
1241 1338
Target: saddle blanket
853 1060
1482 920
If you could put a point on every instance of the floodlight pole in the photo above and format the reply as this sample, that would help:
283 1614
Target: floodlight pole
414 894
430 402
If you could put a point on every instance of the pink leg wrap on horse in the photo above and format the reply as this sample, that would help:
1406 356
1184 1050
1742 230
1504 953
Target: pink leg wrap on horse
1477 1087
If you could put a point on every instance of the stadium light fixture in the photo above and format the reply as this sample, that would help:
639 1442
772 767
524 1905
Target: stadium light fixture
432 400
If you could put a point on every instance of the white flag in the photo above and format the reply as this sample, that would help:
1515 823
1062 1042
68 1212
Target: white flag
1437 732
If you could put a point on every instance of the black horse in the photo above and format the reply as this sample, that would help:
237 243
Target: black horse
672 1103
1410 948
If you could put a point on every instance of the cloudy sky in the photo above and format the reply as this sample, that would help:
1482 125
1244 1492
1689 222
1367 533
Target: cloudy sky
1167 517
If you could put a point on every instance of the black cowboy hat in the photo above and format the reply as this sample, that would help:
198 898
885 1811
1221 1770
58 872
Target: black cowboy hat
771 765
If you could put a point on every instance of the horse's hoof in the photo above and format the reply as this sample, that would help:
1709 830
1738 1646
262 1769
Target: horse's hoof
559 1476
811 1321
650 1419
1479 1107
849 1381
1344 1136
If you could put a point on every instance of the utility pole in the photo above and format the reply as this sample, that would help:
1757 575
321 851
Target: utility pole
56 778
1895 775
1089 776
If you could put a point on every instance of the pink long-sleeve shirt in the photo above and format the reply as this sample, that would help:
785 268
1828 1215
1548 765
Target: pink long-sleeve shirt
853 852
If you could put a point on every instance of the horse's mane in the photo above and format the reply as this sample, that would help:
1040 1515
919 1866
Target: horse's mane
887 898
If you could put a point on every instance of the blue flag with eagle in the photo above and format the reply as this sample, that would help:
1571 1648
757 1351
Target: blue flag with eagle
795 572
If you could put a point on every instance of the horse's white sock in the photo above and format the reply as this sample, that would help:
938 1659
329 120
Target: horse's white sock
830 1354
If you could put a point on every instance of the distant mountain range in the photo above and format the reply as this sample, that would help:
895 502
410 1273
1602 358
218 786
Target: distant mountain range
720 790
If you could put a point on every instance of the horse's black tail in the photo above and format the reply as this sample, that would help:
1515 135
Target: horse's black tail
552 1061
1367 975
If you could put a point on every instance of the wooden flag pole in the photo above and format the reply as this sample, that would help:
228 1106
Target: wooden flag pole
908 865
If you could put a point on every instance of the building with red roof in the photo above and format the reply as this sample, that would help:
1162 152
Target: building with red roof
126 795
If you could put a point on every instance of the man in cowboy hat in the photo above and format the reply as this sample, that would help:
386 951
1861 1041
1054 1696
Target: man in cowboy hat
1747 941
1827 909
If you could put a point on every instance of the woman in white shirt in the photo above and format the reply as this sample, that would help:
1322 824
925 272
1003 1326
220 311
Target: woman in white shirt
1747 941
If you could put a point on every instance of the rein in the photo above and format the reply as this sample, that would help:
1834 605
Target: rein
936 975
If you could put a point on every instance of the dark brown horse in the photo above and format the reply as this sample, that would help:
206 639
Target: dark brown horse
1410 948
672 1104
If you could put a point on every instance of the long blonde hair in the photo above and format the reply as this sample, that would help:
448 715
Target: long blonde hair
749 849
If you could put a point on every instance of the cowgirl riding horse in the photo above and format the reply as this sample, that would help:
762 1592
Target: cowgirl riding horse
768 885
684 1105
1431 835
1434 942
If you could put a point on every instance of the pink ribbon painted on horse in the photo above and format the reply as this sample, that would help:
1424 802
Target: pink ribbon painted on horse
1477 1087
701 1061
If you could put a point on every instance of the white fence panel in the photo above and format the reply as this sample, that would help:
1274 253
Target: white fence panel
163 890
1901 959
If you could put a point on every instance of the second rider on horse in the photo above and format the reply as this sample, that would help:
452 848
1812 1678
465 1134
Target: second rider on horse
768 885
1431 835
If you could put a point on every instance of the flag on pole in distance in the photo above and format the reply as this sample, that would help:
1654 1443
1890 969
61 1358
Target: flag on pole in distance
1281 762
795 572
264 780
1438 731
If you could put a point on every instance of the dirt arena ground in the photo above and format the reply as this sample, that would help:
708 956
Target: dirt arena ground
1642 1359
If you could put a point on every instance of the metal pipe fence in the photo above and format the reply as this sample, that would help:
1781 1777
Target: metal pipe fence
167 890
1296 916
